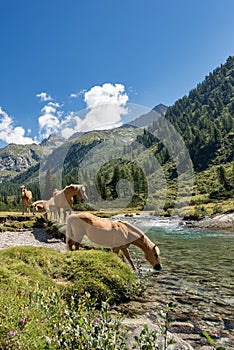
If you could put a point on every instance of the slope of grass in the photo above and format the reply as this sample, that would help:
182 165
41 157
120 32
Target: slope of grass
40 287
100 273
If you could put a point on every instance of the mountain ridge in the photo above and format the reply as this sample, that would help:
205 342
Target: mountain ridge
148 118
203 118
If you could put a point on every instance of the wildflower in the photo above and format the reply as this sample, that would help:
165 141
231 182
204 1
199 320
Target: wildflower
22 320
12 333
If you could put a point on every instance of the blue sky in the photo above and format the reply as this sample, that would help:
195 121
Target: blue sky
60 56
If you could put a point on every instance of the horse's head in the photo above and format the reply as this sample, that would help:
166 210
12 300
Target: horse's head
80 192
34 208
154 258
23 189
56 191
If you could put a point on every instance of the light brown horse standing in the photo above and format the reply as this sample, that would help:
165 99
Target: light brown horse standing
26 197
45 206
64 199
117 235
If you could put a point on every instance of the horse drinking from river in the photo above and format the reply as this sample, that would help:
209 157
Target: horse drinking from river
117 235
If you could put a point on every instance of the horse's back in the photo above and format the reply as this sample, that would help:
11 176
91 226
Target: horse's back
95 221
101 231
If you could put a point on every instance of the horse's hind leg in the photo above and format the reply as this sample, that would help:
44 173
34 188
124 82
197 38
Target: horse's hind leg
116 250
70 243
77 245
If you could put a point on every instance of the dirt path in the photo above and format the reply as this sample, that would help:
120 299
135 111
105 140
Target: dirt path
36 238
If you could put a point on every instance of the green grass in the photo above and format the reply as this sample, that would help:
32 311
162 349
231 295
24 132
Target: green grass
100 273
38 283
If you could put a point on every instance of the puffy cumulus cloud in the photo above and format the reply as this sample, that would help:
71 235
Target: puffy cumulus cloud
106 94
11 134
70 125
106 105
44 97
49 121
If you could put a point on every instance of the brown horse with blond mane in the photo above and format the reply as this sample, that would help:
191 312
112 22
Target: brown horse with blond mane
64 199
117 235
26 197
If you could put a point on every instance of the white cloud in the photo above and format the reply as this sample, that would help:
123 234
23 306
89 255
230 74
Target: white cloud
77 94
106 94
49 121
106 105
73 95
44 97
11 134
54 104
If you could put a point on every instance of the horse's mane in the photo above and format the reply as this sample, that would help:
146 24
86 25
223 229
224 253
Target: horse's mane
134 228
74 185
142 237
56 191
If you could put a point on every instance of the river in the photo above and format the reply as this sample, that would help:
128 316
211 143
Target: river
197 275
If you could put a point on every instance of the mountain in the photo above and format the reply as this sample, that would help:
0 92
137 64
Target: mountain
148 118
204 119
15 159
52 142
18 158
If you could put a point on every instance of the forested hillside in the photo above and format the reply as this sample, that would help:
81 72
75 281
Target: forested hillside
205 121
205 118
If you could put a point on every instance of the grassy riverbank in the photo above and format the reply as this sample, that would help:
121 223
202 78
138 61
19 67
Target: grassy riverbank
40 287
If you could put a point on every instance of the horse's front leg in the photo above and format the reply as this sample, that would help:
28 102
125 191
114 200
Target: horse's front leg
59 214
64 214
45 214
126 254
128 257
55 215
33 210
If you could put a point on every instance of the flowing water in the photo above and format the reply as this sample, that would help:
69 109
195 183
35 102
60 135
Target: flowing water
198 275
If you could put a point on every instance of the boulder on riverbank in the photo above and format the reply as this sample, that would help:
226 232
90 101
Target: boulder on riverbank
218 221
